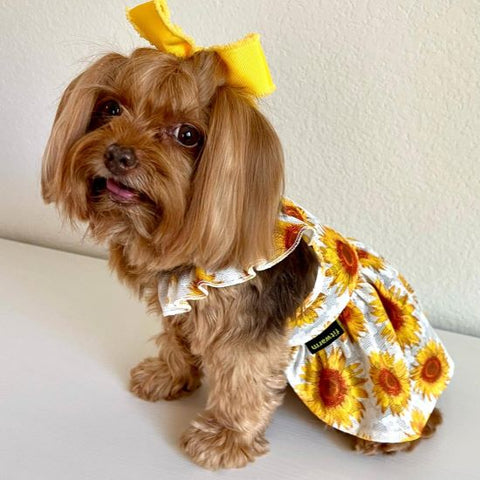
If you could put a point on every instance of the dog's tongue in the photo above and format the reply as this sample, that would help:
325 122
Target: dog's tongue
115 188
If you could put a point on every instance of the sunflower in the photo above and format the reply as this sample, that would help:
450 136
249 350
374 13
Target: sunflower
292 210
285 236
431 374
332 390
417 422
308 315
201 276
391 384
407 286
343 259
369 260
352 321
391 307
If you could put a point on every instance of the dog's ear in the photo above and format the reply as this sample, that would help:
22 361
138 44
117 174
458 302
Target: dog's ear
237 185
71 122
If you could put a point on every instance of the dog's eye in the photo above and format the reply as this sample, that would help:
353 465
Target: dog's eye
110 108
187 135
103 112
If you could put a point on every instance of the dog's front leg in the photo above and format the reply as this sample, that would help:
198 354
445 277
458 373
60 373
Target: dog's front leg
246 385
173 373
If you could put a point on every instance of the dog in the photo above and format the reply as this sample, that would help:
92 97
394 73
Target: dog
182 176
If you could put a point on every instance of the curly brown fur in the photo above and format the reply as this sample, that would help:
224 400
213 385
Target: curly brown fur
116 159
239 337
174 373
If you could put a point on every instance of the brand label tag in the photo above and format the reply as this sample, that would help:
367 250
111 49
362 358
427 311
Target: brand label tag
329 335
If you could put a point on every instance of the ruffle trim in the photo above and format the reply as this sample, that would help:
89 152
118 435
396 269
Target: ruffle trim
181 304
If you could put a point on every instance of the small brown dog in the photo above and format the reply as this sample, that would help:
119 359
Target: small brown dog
176 169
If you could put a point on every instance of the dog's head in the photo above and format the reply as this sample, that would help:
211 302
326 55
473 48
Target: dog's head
162 149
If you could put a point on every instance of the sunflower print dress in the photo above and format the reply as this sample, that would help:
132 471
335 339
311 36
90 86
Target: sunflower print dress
364 358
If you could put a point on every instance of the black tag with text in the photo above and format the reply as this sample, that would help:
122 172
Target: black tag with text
329 335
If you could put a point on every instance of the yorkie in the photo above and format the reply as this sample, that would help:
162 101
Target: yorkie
166 156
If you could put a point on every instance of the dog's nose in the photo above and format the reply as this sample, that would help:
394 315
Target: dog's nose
120 159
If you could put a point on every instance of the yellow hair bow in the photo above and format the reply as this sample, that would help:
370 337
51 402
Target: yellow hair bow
246 63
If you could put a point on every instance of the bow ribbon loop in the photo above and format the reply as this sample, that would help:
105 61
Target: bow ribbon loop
245 60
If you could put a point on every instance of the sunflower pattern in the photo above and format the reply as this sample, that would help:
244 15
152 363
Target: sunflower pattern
353 322
417 422
306 315
286 236
391 383
201 276
381 377
431 372
368 260
332 390
394 309
291 209
343 260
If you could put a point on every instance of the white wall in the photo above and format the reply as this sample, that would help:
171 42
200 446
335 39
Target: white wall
378 107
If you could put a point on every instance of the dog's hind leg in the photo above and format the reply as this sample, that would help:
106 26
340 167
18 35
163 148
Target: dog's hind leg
368 447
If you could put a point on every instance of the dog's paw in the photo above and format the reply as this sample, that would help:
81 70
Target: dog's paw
368 447
215 447
151 380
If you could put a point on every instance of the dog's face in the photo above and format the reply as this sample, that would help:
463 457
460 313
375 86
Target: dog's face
157 148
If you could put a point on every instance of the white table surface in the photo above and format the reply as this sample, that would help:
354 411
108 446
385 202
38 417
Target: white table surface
69 333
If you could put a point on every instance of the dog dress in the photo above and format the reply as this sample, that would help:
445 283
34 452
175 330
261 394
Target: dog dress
364 358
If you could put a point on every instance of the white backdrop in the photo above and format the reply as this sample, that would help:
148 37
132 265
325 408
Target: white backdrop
378 108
